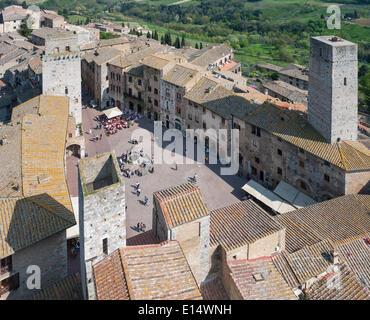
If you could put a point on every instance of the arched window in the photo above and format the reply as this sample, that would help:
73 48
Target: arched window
345 81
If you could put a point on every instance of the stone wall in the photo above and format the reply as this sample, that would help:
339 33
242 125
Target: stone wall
61 73
49 254
261 159
333 87
357 182
149 76
195 245
229 284
102 215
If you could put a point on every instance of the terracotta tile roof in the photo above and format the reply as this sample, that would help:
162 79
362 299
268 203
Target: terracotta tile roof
181 204
309 262
69 288
141 239
340 285
287 90
42 206
210 54
260 280
110 280
155 62
339 220
239 224
132 59
213 289
229 65
269 66
102 55
356 254
219 100
295 129
281 263
152 272
296 71
179 75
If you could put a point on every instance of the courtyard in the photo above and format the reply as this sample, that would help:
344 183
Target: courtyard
217 191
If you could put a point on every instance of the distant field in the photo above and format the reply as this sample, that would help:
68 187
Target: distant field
362 22
76 18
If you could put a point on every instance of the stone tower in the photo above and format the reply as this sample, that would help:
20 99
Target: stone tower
61 70
332 94
102 214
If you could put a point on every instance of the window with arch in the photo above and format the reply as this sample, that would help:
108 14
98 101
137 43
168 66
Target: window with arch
345 81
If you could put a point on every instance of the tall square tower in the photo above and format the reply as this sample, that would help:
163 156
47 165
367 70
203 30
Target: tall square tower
61 70
102 214
333 88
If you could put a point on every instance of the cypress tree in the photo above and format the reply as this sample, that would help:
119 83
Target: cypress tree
162 40
177 43
182 41
196 46
201 46
148 35
156 37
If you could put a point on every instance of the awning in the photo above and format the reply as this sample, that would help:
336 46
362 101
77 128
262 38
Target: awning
267 197
293 195
113 112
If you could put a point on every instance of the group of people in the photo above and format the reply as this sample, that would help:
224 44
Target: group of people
138 193
140 227
112 125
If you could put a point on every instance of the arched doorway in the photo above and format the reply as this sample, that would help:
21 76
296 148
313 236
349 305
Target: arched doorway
155 116
304 186
74 150
177 124
167 122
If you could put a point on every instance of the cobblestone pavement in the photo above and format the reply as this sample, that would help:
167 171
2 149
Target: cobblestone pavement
217 191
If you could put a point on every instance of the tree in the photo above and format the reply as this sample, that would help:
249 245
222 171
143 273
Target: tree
196 46
182 41
123 24
156 35
274 76
177 43
167 38
363 70
162 40
24 30
148 35
201 46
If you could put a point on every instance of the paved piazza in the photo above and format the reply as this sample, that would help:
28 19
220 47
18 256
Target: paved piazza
218 191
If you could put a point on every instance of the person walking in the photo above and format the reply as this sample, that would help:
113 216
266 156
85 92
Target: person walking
137 185
195 178
138 192
101 136
146 200
142 226
138 227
